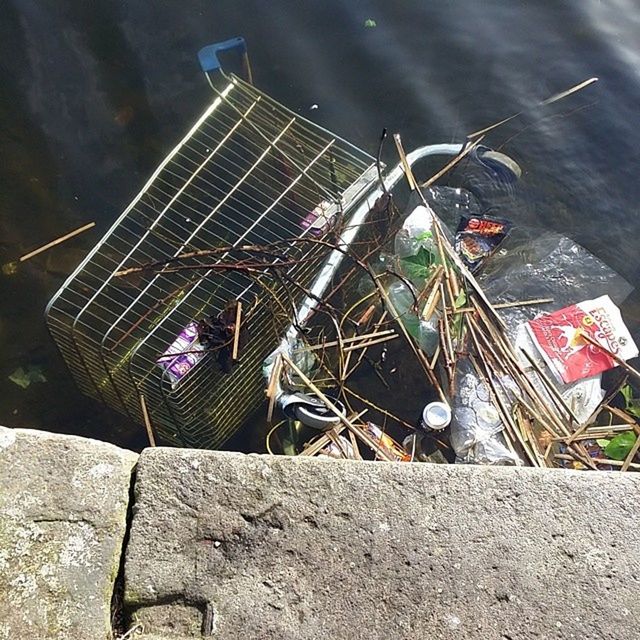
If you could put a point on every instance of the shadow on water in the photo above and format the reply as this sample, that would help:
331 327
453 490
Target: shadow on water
93 95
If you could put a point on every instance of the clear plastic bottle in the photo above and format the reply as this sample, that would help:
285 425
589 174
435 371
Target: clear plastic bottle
425 332
417 232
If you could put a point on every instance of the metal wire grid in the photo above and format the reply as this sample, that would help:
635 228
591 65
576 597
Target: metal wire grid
246 173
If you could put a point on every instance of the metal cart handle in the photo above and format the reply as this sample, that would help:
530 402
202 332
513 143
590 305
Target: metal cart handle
208 56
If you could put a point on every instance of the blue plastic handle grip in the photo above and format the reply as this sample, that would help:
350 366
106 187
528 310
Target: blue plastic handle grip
208 56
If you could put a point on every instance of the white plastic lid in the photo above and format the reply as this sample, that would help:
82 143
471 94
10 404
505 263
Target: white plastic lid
436 415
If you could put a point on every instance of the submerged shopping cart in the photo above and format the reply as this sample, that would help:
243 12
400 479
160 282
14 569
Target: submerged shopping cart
249 172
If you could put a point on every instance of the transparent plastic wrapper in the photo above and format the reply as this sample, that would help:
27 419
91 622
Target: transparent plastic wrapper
538 264
449 203
535 264
476 425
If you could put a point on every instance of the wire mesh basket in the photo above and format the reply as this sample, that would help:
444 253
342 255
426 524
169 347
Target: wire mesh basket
248 172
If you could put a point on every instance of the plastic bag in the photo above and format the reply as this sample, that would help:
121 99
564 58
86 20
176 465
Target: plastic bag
476 423
537 264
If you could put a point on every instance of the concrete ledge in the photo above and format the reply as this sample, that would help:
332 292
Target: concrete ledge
63 508
233 546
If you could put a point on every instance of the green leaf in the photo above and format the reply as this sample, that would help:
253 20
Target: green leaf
23 378
411 324
461 300
619 447
632 405
418 265
10 268
627 393
370 23
424 236
603 442
634 409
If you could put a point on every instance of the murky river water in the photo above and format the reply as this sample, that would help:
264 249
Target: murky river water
92 95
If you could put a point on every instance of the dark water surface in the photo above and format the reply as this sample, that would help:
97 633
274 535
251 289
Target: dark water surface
94 94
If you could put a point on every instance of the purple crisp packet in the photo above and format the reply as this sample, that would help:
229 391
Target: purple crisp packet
175 361
318 220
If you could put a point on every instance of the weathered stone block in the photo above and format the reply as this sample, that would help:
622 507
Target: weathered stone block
63 507
273 547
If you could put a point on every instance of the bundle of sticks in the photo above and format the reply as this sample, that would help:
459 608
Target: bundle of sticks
538 425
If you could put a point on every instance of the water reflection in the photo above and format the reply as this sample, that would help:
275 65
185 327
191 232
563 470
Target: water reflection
92 95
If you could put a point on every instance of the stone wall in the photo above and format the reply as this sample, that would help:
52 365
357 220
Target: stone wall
226 546
63 517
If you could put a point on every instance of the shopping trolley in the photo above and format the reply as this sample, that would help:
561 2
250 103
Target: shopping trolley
249 172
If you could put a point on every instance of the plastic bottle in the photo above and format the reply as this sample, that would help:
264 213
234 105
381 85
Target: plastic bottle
425 332
416 232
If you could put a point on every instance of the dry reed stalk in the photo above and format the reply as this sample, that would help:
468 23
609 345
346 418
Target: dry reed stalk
365 317
354 444
553 98
428 288
603 432
147 421
447 331
344 368
236 331
436 355
572 457
467 149
508 305
322 441
271 386
547 451
348 341
527 430
613 463
361 355
594 416
336 440
617 463
439 240
432 300
550 387
609 427
406 167
375 407
576 435
364 345
622 363
453 288
57 241
424 363
332 407
619 413
632 454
